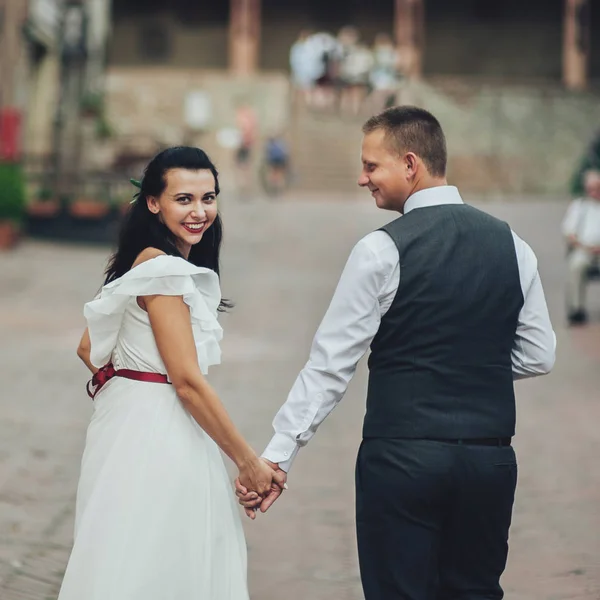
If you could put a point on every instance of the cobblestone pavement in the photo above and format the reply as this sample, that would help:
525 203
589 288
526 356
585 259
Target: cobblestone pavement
281 265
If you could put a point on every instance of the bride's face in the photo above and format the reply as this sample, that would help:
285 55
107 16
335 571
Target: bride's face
188 205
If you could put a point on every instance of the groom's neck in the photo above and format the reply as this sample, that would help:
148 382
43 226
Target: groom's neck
424 183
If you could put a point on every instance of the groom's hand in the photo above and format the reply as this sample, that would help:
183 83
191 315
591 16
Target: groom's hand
252 502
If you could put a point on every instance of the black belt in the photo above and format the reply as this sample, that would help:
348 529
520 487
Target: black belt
506 441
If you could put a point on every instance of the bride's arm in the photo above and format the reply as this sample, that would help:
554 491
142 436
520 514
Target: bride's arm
84 349
172 328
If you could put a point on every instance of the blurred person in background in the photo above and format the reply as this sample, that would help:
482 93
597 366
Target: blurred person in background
324 48
306 65
355 70
450 301
156 517
347 41
247 125
277 164
589 161
581 228
385 74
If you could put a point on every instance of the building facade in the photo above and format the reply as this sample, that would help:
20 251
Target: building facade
511 39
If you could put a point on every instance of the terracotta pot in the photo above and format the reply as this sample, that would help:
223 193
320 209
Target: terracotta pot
9 235
43 208
89 209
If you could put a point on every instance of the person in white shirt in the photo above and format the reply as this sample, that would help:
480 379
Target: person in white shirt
581 228
450 301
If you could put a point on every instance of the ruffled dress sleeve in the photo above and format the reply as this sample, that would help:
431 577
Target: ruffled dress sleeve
166 276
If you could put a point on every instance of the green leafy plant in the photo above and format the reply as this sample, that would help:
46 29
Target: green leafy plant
92 103
45 194
12 192
104 129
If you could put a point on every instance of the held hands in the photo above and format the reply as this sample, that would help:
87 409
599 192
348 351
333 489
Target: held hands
251 499
259 477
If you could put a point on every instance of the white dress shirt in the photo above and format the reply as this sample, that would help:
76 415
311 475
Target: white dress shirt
583 221
364 293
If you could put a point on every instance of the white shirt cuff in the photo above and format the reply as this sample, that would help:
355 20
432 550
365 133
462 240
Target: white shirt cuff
281 450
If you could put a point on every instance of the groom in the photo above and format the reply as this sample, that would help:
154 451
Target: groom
450 301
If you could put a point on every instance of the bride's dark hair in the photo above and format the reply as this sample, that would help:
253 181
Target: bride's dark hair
142 229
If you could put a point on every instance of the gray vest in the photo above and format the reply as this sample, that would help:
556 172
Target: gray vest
440 365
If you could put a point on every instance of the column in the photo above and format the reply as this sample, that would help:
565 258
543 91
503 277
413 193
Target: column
13 70
98 28
409 29
244 36
11 22
576 44
68 141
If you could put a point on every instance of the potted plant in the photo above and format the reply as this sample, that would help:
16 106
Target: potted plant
12 203
93 202
87 207
93 216
45 205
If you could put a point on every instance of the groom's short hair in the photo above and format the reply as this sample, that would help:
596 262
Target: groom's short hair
413 129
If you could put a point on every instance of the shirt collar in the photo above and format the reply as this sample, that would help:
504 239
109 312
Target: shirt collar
443 194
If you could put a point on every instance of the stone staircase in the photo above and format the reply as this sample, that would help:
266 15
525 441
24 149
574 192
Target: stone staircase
502 138
326 151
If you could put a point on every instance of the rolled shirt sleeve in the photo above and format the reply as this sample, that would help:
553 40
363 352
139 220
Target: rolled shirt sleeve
534 348
347 329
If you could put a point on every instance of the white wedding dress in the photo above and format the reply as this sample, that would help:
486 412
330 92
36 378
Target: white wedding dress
156 517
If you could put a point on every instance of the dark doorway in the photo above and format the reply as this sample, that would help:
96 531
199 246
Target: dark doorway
177 33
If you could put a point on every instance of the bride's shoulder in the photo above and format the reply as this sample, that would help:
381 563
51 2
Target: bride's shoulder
146 255
154 267
152 262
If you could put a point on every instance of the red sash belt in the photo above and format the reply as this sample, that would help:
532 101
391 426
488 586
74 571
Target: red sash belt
107 372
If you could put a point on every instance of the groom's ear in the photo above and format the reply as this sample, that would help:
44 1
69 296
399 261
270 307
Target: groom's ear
411 163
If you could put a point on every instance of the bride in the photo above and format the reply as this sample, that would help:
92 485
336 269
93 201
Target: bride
156 518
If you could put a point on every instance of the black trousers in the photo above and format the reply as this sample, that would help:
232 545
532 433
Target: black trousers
432 519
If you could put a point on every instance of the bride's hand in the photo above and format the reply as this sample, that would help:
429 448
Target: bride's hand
256 476
251 501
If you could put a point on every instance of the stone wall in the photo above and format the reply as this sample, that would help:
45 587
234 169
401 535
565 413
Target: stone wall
146 110
525 139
